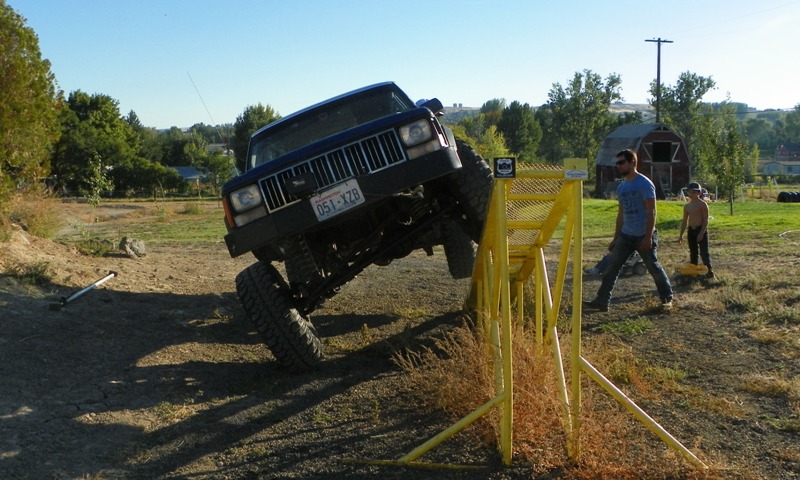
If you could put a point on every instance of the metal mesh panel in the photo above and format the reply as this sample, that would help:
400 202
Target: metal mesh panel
531 210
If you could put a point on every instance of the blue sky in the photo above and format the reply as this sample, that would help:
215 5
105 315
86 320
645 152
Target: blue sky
293 53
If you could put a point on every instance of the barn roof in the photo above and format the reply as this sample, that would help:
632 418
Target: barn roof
626 136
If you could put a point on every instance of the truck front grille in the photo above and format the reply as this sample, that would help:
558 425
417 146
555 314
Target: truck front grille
366 156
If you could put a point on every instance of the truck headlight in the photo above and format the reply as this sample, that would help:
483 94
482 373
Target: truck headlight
416 132
245 198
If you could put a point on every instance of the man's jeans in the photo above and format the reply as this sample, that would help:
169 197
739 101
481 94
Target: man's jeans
623 247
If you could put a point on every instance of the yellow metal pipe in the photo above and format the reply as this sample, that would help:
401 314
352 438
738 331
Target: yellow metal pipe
640 414
566 420
563 261
547 303
506 420
552 340
576 216
539 307
452 430
524 225
520 288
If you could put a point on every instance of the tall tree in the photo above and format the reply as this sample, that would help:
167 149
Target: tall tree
733 153
28 104
253 118
91 126
761 132
492 110
682 110
520 130
791 126
576 118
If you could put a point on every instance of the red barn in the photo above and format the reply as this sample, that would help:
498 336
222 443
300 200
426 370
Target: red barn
663 158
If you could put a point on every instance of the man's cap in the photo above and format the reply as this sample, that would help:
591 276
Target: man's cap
694 186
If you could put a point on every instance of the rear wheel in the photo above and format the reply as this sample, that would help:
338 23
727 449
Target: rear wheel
459 251
267 300
472 187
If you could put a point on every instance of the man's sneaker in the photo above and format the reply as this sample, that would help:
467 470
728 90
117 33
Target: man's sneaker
596 305
711 276
666 305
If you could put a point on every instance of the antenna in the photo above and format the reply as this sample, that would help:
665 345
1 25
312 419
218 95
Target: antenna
209 113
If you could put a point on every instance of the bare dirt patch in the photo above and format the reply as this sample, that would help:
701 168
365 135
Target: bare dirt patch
157 374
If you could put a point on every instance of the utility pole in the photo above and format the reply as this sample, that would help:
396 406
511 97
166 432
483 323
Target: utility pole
659 41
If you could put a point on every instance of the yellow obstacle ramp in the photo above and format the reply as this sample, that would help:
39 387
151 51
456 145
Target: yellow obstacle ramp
524 214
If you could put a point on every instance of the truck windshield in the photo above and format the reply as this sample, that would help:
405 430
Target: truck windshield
324 121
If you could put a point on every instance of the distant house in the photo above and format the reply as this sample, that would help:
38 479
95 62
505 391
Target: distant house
787 161
662 154
219 148
191 174
788 152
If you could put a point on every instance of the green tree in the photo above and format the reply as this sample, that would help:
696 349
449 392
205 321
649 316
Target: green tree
28 104
143 176
791 126
488 143
481 132
576 118
212 134
492 110
96 181
521 131
761 132
733 153
219 169
253 118
91 125
682 111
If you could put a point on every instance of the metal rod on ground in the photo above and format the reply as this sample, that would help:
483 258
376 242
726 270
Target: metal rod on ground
65 300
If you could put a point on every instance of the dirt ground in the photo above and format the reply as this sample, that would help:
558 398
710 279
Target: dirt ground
158 374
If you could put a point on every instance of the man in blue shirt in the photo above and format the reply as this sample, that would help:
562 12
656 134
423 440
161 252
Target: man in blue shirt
635 231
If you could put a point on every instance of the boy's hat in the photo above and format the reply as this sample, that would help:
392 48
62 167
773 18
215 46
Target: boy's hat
694 186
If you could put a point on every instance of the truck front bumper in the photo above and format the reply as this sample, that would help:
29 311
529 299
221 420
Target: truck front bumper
299 217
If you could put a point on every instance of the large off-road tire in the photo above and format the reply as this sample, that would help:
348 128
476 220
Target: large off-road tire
459 251
267 301
472 187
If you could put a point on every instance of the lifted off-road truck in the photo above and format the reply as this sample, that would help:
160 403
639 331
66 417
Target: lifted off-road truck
363 178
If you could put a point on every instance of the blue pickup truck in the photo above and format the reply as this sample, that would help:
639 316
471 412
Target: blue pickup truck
361 179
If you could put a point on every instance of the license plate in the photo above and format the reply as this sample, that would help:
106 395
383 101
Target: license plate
336 200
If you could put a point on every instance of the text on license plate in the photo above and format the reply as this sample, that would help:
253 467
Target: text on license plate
336 200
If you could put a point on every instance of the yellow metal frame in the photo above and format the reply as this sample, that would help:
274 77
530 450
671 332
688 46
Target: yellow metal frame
523 215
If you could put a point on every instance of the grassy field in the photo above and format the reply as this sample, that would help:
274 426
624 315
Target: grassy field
751 218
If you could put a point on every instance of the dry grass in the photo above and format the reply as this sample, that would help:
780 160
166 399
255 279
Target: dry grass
34 210
459 372
39 274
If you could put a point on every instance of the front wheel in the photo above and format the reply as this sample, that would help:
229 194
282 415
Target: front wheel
267 300
472 186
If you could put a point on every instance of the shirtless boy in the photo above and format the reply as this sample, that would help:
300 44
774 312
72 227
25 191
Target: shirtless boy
695 216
